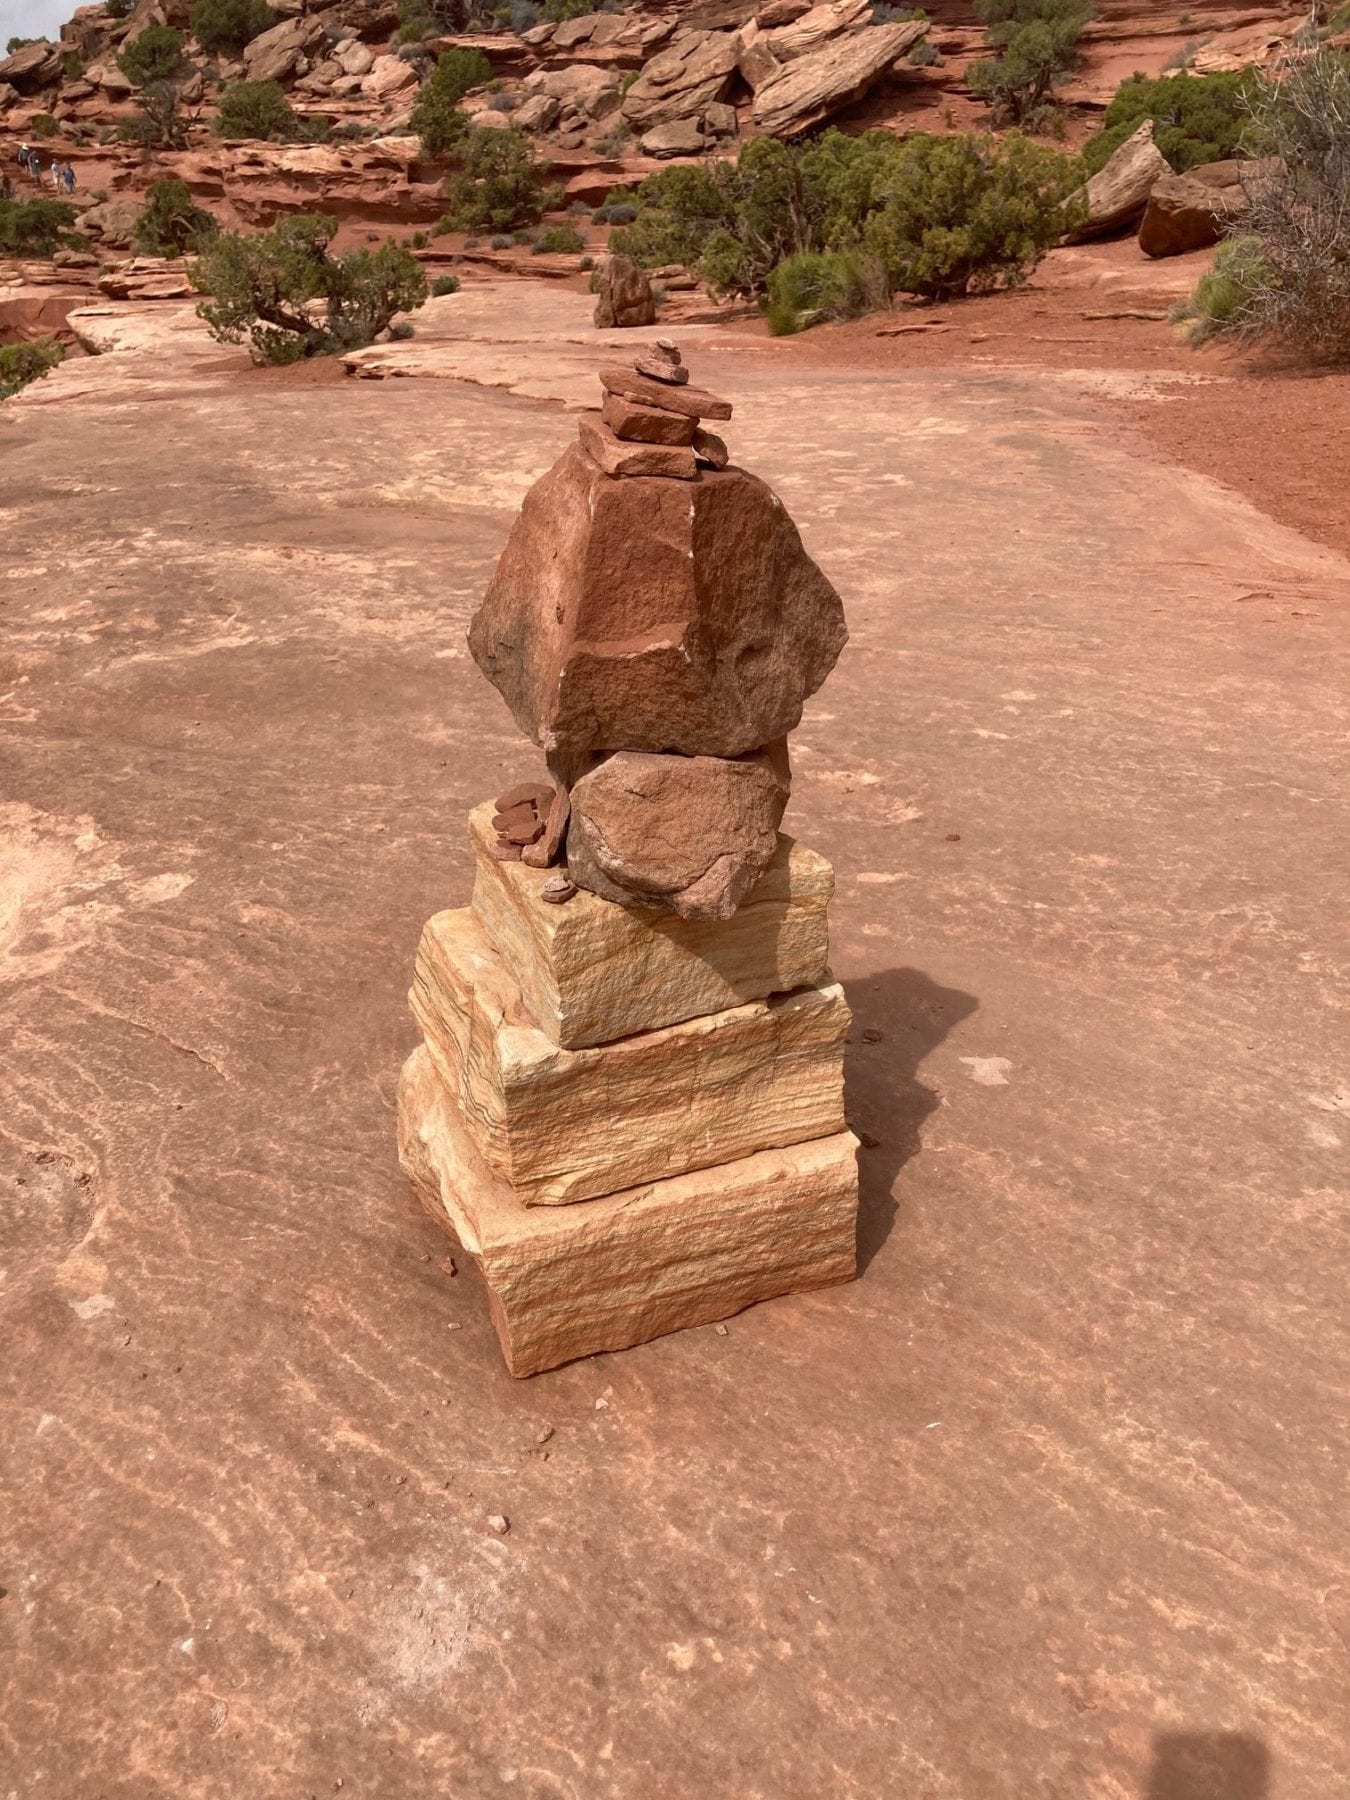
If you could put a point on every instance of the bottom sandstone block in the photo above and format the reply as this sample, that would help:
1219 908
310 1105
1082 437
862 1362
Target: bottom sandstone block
568 1281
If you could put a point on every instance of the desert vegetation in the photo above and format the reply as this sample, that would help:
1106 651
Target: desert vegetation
1034 44
224 27
834 227
499 185
171 223
34 227
1285 273
1196 118
157 65
22 363
436 116
289 297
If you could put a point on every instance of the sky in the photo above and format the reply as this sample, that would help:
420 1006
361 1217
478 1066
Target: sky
33 18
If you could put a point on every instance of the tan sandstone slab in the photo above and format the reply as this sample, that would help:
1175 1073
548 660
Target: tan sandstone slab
570 1281
568 1125
590 971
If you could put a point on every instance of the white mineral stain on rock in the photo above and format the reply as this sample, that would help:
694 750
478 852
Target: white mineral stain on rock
92 1308
988 1071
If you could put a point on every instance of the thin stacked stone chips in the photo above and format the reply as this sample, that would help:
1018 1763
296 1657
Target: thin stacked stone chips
628 1107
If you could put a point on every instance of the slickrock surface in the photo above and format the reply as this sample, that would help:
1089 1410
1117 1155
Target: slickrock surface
1049 1500
568 1281
685 834
591 971
566 1125
652 615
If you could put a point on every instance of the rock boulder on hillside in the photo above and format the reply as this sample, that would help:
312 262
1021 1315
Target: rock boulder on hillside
623 295
34 67
1192 211
681 81
283 52
1117 194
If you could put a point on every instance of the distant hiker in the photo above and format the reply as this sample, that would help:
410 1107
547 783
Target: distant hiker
68 178
55 177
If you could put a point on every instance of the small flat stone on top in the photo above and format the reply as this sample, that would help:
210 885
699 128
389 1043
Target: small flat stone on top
530 793
521 825
695 402
675 373
618 458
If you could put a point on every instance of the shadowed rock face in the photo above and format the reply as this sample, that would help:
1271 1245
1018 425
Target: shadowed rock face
650 614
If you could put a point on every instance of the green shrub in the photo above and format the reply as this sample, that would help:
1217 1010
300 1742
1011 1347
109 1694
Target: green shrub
1035 44
22 363
43 125
1196 118
401 330
436 117
156 55
816 285
119 9
224 27
21 43
34 227
1227 296
969 214
614 213
445 284
499 185
925 56
157 66
283 291
557 12
501 242
72 66
171 224
256 109
559 240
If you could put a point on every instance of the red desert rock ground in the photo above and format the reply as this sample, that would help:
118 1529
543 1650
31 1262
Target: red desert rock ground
1050 1500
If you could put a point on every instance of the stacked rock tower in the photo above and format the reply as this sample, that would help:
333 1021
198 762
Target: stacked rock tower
628 1107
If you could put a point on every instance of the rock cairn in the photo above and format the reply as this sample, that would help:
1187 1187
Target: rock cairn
628 1107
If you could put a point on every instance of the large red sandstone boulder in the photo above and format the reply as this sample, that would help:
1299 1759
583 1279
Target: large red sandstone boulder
649 614
818 83
282 52
1119 191
684 834
623 295
1192 211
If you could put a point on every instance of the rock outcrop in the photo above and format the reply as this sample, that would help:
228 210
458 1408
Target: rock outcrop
821 81
1118 193
624 296
678 83
1192 211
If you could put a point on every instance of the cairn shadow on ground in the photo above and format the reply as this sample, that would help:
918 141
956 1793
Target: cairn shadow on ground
1208 1765
899 1018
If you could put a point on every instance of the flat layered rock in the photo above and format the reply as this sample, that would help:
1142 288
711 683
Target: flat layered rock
647 424
1118 193
590 971
694 402
703 1092
681 81
616 457
689 835
570 1281
649 614
822 81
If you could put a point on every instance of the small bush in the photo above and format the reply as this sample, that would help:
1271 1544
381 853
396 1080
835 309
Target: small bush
171 223
499 185
224 27
559 240
20 43
1227 296
610 214
817 285
34 227
445 284
925 55
22 363
503 103
72 66
1035 44
557 12
586 264
156 55
1287 276
401 330
501 242
418 241
1196 118
257 109
436 117
119 9
283 291
43 125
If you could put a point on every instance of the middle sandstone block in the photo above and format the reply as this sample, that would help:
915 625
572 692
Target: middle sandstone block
565 1125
